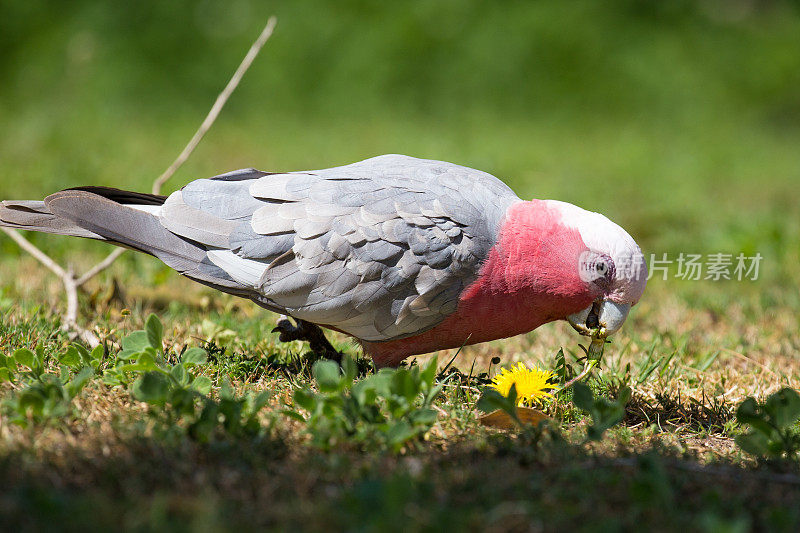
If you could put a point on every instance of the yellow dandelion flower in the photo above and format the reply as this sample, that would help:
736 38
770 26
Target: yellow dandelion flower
532 383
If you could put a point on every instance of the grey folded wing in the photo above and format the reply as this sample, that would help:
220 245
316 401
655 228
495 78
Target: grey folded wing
380 249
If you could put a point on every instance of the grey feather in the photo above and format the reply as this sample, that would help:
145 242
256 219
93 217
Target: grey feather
248 244
195 224
34 216
266 221
240 175
230 200
276 187
380 249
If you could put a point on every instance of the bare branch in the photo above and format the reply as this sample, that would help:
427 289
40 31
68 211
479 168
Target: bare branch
71 284
40 256
218 105
70 319
99 267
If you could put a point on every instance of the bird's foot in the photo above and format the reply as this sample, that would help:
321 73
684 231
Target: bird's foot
306 331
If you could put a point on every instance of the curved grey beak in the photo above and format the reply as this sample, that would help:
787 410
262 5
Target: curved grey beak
602 315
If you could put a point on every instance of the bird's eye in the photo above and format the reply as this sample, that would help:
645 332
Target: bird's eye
604 267
596 267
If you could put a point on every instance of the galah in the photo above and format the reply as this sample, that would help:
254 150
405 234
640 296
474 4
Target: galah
405 255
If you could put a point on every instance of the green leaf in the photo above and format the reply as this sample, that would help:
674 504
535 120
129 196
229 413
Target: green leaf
194 356
582 397
326 374
749 413
83 353
39 354
491 400
24 357
226 391
604 413
179 374
70 357
624 396
79 381
772 424
151 388
38 363
294 415
561 367
202 384
784 407
31 400
424 416
405 385
135 342
512 399
399 433
146 362
755 443
97 354
350 367
304 399
6 375
433 392
155 332
428 374
261 400
380 382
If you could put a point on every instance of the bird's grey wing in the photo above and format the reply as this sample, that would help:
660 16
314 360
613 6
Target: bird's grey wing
215 215
380 249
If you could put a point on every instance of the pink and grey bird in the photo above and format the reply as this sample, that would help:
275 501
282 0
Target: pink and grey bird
406 255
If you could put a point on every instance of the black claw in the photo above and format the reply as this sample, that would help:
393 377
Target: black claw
306 331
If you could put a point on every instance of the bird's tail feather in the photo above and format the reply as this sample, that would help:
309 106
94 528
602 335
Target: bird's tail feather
126 225
120 217
34 216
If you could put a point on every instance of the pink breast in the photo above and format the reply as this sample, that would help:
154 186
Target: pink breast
530 278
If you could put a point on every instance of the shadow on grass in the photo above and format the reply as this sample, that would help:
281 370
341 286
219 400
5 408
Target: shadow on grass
505 482
240 365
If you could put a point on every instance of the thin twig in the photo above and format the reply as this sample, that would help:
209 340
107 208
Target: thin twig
71 313
99 267
71 284
218 105
70 318
40 256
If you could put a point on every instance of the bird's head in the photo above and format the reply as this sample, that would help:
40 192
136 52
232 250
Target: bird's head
566 263
610 265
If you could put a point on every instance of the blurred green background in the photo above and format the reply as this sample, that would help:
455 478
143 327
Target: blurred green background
679 120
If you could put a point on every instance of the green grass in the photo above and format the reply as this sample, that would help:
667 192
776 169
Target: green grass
671 465
679 121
